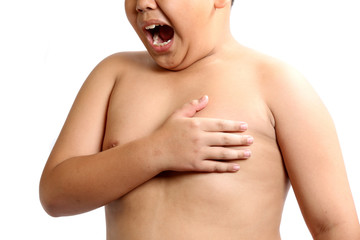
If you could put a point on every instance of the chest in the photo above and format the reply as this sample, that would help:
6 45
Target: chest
140 104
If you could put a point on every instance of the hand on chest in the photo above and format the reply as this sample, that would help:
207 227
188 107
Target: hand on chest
140 116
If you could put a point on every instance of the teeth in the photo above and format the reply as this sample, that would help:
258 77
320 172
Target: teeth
156 41
162 44
151 27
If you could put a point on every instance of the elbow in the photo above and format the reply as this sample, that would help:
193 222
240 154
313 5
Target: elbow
55 208
50 206
51 209
50 203
56 203
350 231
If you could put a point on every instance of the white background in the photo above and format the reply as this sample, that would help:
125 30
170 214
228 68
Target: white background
47 49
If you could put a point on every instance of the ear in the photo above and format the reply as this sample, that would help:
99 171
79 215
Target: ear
221 3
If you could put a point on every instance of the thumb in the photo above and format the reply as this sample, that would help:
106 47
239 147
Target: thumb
189 109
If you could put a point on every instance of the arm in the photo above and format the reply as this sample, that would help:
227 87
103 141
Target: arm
79 177
312 156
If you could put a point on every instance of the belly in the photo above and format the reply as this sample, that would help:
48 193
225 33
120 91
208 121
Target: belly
173 205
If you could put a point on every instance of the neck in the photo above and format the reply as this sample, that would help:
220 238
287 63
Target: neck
223 41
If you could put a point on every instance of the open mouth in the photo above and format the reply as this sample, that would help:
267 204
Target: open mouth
159 35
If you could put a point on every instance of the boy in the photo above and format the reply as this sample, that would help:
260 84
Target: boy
167 166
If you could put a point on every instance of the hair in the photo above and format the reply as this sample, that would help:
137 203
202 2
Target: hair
232 2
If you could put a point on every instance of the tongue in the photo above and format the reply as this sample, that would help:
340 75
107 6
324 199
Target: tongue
166 33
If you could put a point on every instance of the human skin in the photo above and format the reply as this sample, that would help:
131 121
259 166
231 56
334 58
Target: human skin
137 156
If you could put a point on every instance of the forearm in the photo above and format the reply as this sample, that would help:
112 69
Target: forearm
84 183
183 143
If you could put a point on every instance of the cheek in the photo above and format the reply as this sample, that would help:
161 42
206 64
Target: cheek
130 10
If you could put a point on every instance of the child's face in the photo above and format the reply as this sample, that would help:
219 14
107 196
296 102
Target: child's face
176 33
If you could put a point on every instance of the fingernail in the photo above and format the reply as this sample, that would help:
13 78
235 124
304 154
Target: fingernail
236 168
247 153
250 140
243 126
203 98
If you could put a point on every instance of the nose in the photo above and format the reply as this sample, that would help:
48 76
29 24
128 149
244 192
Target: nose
145 5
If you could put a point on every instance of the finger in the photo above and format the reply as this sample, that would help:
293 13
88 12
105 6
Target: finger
222 125
220 167
189 109
228 139
226 154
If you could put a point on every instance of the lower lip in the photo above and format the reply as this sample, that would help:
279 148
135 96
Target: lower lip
160 49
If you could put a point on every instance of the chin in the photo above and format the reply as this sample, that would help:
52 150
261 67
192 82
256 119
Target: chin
173 65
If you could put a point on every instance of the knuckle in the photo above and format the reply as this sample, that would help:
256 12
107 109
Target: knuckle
225 154
203 166
220 168
195 123
207 168
226 140
221 124
242 139
195 141
196 152
194 102
196 165
213 167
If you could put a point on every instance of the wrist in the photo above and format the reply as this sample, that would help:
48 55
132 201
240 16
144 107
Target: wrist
154 153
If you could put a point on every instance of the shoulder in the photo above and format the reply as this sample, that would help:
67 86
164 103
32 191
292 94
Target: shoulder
111 68
124 60
283 87
268 70
282 82
278 78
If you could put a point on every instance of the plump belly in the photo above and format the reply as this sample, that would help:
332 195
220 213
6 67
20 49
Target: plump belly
243 205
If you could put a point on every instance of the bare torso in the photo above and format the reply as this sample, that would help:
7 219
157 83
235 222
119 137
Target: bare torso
243 205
